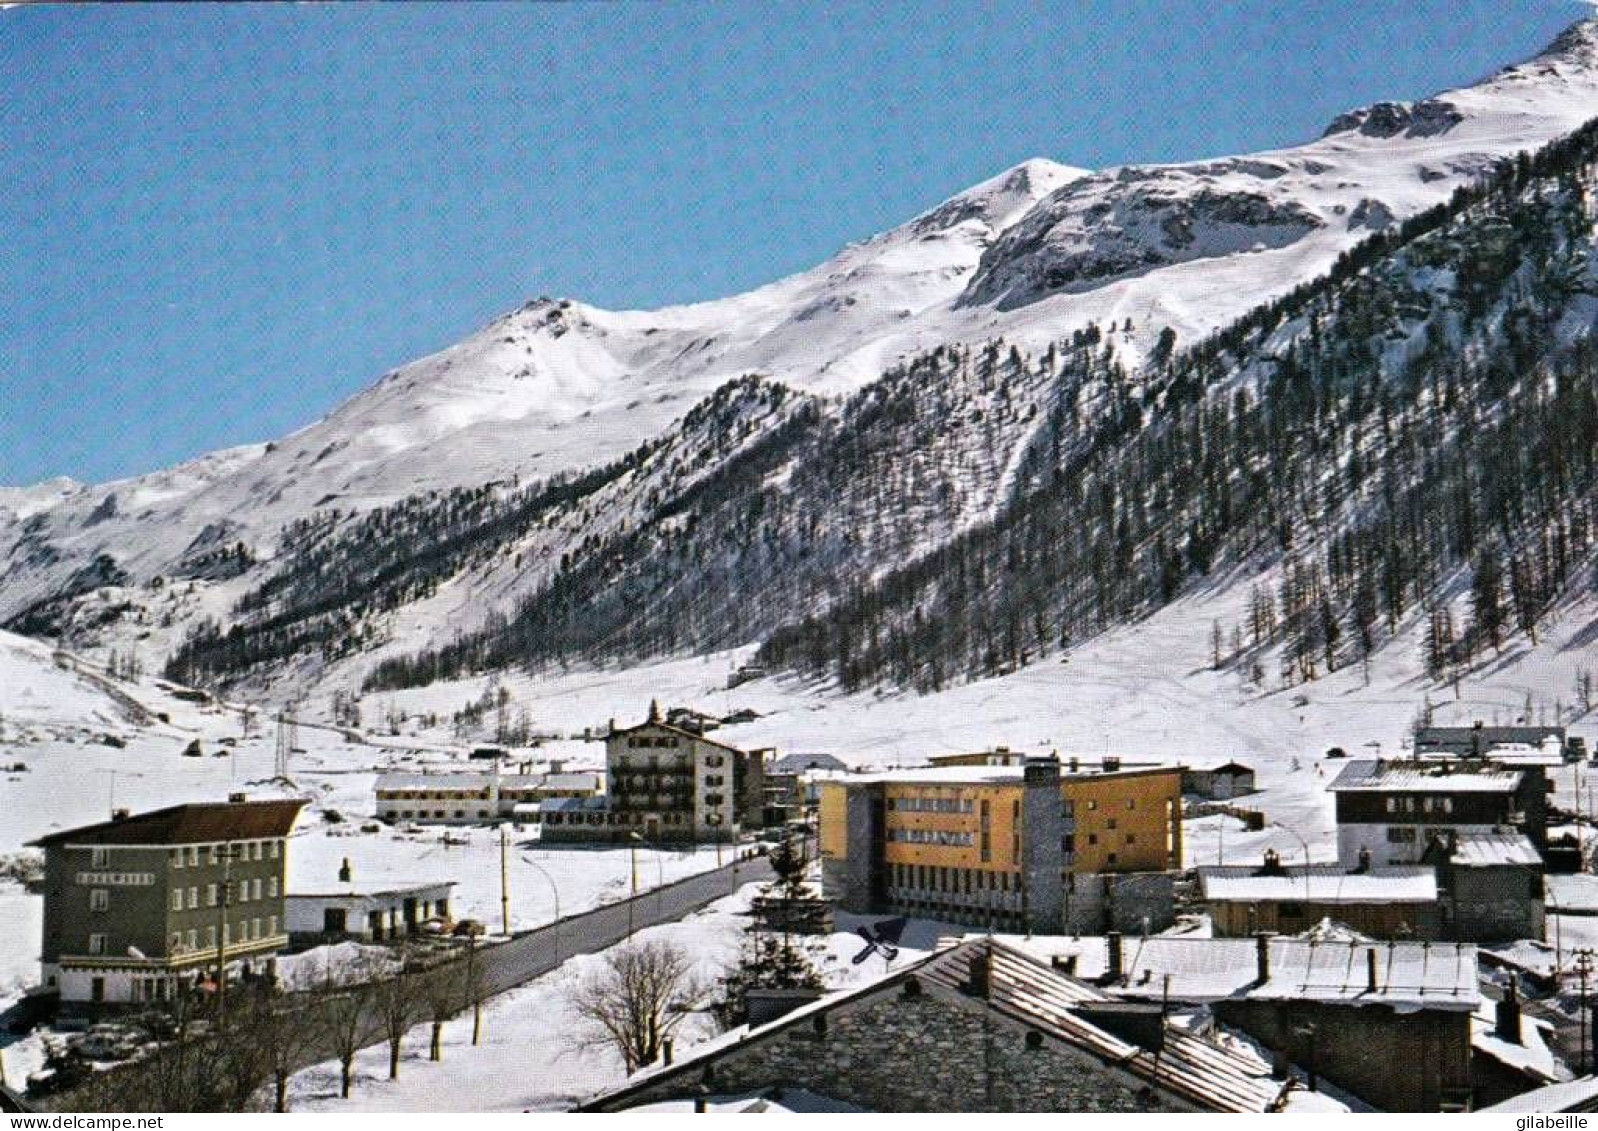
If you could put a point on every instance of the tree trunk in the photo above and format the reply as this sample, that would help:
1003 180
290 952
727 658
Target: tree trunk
282 1092
435 1050
393 1060
344 1073
477 1022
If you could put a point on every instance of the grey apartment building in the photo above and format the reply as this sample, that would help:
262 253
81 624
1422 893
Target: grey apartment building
137 905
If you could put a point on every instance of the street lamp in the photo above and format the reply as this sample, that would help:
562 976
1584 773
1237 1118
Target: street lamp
539 868
1294 834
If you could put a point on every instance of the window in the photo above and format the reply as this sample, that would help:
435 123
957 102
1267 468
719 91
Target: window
1110 860
256 888
210 937
177 942
1131 838
271 928
1131 803
194 898
216 854
1092 804
210 895
1292 910
194 856
1112 823
1398 834
276 843
99 857
99 900
177 858
194 940
255 928
177 899
271 887
1093 838
96 944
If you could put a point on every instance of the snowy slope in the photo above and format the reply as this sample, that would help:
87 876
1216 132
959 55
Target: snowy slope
1030 255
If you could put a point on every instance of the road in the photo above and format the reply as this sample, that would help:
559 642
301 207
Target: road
537 952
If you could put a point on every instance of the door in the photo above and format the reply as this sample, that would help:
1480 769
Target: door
374 925
335 921
97 989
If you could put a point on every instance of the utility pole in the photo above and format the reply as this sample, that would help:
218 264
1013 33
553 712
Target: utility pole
632 848
1583 968
504 884
223 899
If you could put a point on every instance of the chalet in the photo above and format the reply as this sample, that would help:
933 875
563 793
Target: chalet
1219 782
370 913
475 798
1481 741
1391 811
1491 885
137 905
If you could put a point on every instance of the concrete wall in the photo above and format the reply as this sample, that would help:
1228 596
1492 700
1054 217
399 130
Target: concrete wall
1129 903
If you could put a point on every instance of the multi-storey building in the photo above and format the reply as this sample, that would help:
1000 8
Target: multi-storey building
1007 845
137 903
1391 811
670 783
472 798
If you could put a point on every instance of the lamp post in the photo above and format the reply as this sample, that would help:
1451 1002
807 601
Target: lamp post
1294 834
539 868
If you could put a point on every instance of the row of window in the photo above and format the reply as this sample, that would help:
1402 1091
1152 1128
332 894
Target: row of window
250 930
930 804
1420 804
243 890
439 794
965 881
191 856
647 741
932 836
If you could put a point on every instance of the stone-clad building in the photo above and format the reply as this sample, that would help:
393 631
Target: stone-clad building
979 1027
135 904
1042 846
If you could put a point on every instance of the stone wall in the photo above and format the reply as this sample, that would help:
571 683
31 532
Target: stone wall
1394 1061
912 1052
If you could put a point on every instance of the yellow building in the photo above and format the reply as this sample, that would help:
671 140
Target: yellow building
1006 844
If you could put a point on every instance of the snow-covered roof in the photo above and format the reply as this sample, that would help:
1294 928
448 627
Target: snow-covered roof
1573 1095
1408 884
574 779
1409 975
1577 892
1209 1075
797 1101
386 892
800 763
1495 849
1376 776
1531 1055
566 805
978 775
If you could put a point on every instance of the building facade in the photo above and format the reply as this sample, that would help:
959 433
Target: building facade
1382 903
473 798
1392 811
138 903
375 914
1002 845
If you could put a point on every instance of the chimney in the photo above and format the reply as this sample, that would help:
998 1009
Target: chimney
979 975
345 873
1116 971
1075 763
1262 957
237 798
1370 970
665 1052
1112 762
121 814
557 765
1508 1027
1364 865
1065 964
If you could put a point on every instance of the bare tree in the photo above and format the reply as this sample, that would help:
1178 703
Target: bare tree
640 996
347 1005
443 995
398 1002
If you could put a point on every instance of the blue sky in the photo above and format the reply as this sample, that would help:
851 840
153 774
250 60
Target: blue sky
220 221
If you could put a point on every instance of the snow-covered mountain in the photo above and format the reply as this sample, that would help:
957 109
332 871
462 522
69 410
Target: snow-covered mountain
1033 256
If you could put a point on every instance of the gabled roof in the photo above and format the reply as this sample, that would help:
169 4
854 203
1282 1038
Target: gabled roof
196 823
680 731
799 763
1376 776
1192 1069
